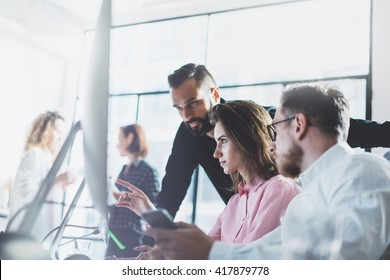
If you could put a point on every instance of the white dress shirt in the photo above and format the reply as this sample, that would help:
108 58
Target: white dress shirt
32 170
343 212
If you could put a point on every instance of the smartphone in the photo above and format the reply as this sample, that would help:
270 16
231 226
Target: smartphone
159 218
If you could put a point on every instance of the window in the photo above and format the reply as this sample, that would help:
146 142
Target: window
160 121
122 111
142 55
296 41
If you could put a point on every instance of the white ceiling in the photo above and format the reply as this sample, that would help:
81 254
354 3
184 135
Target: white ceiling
57 20
133 11
83 10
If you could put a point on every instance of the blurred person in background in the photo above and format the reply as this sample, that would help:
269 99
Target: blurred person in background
42 145
126 230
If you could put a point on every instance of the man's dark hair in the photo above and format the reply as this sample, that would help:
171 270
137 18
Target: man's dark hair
189 71
325 107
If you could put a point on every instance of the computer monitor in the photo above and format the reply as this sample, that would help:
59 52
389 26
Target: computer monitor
94 124
94 121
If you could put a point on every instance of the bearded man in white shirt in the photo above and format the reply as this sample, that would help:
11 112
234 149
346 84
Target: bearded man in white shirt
343 211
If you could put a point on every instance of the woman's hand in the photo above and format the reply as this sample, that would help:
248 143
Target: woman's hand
136 200
117 195
65 179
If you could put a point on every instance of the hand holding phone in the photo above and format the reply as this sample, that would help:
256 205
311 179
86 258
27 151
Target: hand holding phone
159 218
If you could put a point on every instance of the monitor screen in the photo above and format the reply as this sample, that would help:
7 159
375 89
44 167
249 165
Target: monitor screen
94 121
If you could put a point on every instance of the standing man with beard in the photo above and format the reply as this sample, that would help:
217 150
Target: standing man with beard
194 92
343 211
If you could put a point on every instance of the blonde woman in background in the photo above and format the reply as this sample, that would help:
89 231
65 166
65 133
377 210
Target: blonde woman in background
42 145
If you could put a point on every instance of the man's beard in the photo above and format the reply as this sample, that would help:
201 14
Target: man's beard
290 166
204 127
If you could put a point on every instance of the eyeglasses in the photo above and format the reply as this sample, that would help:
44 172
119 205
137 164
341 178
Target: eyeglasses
271 128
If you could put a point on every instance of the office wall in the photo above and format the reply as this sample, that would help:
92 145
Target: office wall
40 50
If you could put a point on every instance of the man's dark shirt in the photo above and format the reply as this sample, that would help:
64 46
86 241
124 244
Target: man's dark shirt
189 151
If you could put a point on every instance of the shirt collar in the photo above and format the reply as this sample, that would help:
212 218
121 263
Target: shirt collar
334 153
134 164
